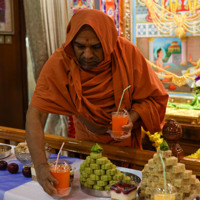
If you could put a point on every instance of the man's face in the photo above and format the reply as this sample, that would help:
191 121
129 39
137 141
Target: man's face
87 48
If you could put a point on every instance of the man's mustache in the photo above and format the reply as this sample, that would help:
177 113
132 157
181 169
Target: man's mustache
88 60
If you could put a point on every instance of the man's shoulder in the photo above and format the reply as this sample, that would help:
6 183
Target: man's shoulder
125 41
59 55
57 60
126 44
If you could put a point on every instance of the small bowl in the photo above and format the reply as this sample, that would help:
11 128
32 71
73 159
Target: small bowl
5 151
25 157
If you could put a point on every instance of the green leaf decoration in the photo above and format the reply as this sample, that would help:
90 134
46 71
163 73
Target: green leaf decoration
164 146
97 148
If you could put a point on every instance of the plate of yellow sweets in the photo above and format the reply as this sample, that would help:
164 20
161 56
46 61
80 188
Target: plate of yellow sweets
100 177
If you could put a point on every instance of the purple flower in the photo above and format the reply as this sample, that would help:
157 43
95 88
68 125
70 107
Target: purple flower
197 78
196 83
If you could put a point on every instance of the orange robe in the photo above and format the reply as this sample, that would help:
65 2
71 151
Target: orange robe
65 88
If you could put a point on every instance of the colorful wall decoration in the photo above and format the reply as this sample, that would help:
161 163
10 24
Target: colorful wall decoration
120 12
177 55
182 5
75 5
112 9
6 17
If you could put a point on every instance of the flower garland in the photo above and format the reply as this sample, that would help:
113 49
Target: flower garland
155 138
177 80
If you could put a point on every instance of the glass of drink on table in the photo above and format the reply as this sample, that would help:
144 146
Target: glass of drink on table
160 194
61 171
118 120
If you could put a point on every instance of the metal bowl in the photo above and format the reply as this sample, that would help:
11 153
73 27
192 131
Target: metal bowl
5 151
25 158
106 194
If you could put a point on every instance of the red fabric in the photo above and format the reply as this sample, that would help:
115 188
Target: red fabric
65 88
71 128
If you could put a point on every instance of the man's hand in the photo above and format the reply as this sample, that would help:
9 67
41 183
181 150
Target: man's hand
133 116
127 132
45 179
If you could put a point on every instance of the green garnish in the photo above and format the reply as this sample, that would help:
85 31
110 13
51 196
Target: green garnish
164 146
96 148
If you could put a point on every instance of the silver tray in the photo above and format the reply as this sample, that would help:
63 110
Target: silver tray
106 194
5 151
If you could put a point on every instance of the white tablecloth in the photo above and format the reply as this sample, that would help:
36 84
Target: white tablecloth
33 191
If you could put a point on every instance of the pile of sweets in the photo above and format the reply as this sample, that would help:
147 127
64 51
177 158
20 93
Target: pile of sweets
183 180
99 173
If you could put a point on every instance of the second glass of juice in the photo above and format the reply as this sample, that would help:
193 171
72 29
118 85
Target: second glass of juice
62 173
160 194
118 120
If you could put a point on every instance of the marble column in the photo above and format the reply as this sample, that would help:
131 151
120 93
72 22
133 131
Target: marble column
183 51
151 53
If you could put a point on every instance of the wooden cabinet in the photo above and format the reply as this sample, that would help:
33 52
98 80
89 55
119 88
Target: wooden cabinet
13 76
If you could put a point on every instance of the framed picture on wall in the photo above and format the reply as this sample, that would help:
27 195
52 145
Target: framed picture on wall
6 17
167 45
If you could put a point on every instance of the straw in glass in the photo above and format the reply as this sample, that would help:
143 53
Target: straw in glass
164 175
122 98
59 154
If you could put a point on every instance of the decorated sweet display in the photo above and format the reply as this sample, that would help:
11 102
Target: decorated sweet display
123 191
185 183
99 173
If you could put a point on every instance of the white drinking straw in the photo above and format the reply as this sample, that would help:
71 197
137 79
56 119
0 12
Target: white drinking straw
59 154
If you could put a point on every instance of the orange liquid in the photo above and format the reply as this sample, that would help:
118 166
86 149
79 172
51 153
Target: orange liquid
117 122
163 197
62 174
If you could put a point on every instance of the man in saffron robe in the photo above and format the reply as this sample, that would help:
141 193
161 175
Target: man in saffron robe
85 78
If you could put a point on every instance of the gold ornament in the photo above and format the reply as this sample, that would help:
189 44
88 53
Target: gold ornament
166 21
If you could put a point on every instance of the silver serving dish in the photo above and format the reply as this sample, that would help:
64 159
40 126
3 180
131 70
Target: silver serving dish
5 151
106 194
25 157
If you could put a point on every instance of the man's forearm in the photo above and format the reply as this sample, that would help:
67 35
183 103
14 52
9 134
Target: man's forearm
35 122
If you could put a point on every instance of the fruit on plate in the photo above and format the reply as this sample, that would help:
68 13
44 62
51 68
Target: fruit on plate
13 168
99 173
3 165
26 171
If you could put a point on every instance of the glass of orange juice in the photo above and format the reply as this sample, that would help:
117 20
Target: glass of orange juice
62 173
118 120
160 194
